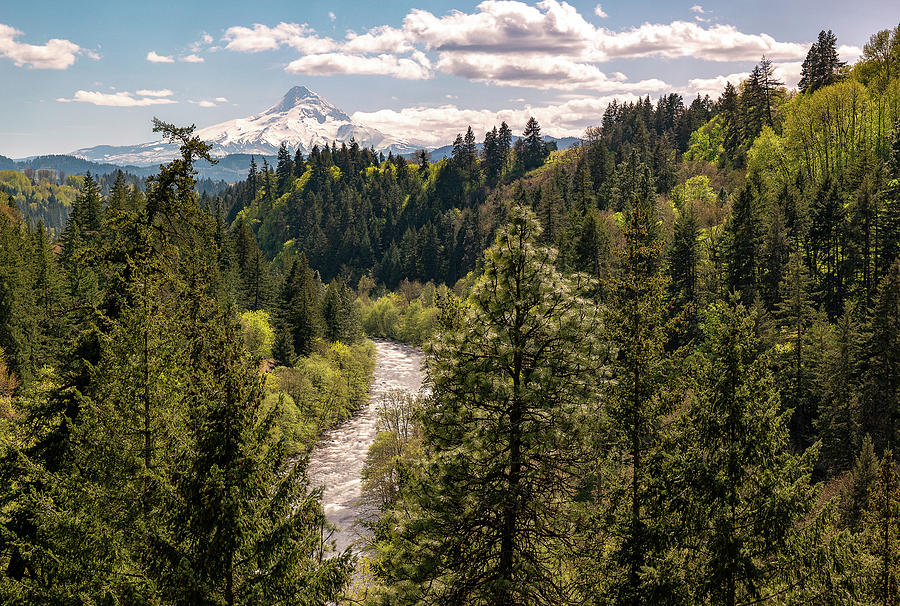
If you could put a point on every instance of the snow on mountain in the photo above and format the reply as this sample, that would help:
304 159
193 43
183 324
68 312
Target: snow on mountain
301 119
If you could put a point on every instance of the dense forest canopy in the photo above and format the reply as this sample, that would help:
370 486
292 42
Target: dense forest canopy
664 365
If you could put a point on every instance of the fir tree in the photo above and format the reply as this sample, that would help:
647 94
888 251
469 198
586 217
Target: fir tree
636 403
247 529
855 500
882 532
822 65
284 170
738 474
533 149
743 245
881 364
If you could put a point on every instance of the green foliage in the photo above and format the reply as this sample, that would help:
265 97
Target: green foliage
745 497
320 390
259 336
41 199
510 382
708 142
145 468
393 317
396 450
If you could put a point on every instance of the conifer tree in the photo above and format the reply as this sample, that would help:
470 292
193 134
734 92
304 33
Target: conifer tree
882 531
592 248
796 314
881 364
684 259
738 475
855 502
822 65
252 178
284 170
504 144
836 381
636 403
888 219
246 529
533 148
510 379
743 234
118 199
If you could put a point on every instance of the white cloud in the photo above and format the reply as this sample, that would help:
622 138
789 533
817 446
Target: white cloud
686 39
221 100
262 38
538 72
202 103
122 99
504 27
153 57
406 68
698 9
437 126
206 38
382 39
154 93
547 45
849 53
331 15
598 10
54 54
788 72
192 58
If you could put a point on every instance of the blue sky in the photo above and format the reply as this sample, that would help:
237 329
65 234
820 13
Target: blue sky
79 74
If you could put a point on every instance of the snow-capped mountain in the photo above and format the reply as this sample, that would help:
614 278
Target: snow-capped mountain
301 119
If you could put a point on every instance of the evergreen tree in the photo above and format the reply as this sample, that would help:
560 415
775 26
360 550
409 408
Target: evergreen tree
730 109
510 379
796 314
882 533
745 496
252 180
836 387
247 529
341 318
743 236
888 219
592 248
533 149
881 364
636 403
284 170
118 199
855 502
283 349
684 258
822 65
504 144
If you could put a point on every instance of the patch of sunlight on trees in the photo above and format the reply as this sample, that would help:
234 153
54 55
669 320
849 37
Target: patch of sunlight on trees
259 336
322 389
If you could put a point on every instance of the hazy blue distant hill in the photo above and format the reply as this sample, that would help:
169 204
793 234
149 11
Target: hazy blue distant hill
230 168
72 165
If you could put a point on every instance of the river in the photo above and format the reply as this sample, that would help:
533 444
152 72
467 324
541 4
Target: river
337 460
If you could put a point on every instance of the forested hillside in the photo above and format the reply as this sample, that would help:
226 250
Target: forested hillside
664 364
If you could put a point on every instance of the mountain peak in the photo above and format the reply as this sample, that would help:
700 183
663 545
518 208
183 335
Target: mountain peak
301 119
296 96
